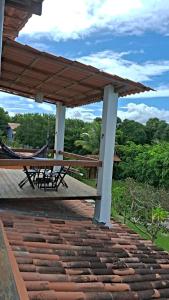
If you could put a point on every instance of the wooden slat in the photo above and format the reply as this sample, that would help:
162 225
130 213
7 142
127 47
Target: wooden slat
76 156
49 162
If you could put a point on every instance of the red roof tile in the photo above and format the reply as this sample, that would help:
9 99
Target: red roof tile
72 259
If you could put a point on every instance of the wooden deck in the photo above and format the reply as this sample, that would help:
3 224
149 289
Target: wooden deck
9 188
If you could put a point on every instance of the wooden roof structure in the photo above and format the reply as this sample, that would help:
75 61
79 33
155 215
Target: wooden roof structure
35 74
28 72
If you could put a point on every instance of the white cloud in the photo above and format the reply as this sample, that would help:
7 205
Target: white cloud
116 63
73 19
142 112
82 113
15 104
49 108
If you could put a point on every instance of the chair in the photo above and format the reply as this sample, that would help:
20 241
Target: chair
51 179
59 179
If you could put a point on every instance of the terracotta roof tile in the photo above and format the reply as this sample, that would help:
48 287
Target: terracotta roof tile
72 259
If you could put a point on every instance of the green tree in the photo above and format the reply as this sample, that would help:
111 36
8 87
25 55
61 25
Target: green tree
130 201
73 130
157 130
132 131
90 139
4 119
35 130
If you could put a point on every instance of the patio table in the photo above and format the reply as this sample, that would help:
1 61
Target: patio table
56 178
31 173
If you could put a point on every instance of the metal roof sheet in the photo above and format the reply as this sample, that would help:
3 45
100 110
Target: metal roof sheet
27 72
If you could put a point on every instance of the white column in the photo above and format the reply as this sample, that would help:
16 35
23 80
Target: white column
2 7
107 144
59 130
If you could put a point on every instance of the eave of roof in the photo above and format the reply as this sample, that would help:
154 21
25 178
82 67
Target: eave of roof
17 14
27 71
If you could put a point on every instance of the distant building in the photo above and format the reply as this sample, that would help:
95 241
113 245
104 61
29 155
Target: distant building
11 130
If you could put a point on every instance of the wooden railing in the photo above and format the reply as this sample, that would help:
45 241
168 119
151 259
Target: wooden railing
76 156
74 160
48 163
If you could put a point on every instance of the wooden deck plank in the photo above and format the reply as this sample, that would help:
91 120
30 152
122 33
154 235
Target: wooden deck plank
9 188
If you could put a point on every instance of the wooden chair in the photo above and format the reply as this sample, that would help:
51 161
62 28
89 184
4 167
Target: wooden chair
51 179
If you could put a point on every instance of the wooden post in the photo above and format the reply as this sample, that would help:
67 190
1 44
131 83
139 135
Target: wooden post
2 7
107 144
59 131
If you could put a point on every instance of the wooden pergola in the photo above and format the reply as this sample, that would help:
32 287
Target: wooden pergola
41 76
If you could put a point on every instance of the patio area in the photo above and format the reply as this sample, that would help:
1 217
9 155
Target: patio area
9 189
48 78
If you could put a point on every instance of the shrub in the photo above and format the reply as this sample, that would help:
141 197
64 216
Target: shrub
141 204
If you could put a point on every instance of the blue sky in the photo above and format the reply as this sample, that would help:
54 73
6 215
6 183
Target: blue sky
129 38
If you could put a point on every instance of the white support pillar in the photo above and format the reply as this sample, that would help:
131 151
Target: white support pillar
59 130
107 144
2 8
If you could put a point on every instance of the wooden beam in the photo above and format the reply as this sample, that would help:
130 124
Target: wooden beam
52 76
76 156
7 85
35 59
13 91
48 163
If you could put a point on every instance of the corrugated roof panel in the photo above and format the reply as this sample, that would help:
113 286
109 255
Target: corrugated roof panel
57 78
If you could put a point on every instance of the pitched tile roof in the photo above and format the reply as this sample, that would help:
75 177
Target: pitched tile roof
76 259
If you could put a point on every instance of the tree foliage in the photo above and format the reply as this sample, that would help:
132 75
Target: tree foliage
35 130
141 205
129 130
143 149
73 131
4 119
90 139
145 163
